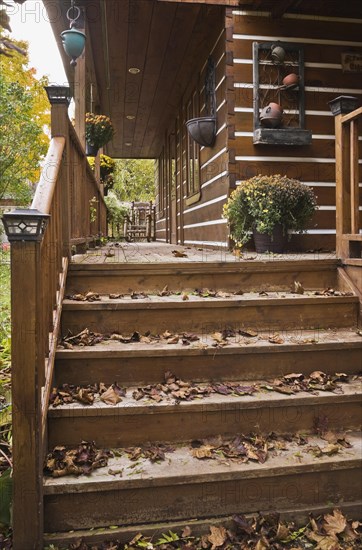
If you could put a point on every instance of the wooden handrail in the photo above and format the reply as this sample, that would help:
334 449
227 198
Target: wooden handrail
351 116
45 189
69 193
347 176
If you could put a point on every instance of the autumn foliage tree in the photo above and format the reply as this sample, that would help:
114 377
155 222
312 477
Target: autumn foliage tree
134 180
24 115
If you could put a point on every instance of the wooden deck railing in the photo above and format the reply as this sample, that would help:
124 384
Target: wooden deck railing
348 236
70 195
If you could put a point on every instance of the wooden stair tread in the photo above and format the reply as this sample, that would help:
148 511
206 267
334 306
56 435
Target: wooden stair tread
352 392
249 299
292 341
181 468
187 265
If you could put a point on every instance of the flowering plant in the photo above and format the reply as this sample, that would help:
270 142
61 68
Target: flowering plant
263 202
107 167
98 129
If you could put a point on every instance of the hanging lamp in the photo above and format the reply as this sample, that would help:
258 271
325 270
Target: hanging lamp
72 39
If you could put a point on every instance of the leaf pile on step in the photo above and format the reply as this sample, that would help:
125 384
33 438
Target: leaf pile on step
241 448
82 460
317 381
332 292
332 531
83 338
335 442
88 297
155 452
171 387
69 393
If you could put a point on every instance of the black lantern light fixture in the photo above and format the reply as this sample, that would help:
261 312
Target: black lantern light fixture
73 40
24 224
58 95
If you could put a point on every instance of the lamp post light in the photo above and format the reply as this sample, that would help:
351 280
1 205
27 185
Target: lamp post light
58 95
73 40
24 224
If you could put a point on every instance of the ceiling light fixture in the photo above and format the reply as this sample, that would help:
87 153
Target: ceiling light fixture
130 117
128 143
134 70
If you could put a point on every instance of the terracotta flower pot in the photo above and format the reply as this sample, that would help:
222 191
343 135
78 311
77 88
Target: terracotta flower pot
271 116
291 79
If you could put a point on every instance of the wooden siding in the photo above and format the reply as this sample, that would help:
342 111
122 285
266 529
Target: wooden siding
323 42
196 204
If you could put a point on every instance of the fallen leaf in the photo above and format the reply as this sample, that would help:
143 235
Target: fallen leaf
276 339
202 452
217 537
185 296
179 254
298 288
324 542
248 332
334 523
110 397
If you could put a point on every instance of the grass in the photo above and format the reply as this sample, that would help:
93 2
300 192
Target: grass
5 392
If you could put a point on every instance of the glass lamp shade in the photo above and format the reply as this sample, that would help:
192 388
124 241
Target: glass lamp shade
73 43
25 224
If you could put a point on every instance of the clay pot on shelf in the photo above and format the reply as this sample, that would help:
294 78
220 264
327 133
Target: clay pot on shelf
277 53
271 116
291 79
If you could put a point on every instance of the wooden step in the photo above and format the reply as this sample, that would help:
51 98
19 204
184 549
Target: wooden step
244 358
270 274
132 422
276 311
299 515
183 487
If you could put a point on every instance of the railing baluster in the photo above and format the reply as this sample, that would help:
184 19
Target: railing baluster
354 176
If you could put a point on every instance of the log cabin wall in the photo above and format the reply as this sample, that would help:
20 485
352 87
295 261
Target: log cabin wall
324 39
193 182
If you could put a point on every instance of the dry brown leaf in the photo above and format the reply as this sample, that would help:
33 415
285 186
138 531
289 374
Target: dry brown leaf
262 544
334 523
248 332
282 532
185 296
218 536
179 254
202 452
173 340
276 339
324 542
110 397
298 288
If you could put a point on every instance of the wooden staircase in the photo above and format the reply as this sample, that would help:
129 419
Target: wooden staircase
317 331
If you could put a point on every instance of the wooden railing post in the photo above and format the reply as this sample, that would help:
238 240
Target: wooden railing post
339 107
59 97
27 370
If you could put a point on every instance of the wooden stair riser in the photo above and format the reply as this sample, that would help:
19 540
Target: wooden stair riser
266 276
133 369
300 516
152 503
121 427
209 317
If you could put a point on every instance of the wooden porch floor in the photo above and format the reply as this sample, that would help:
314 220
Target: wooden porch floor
156 252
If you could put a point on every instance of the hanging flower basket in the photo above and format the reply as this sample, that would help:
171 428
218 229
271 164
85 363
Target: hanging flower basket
91 150
98 130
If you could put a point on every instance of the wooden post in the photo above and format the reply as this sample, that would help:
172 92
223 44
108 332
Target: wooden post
60 127
27 364
339 107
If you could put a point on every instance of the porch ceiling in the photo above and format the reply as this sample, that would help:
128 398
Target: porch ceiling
167 42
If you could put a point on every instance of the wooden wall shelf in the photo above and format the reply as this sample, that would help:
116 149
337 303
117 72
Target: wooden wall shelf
282 136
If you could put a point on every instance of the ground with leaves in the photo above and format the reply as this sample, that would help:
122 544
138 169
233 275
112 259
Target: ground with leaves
332 531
